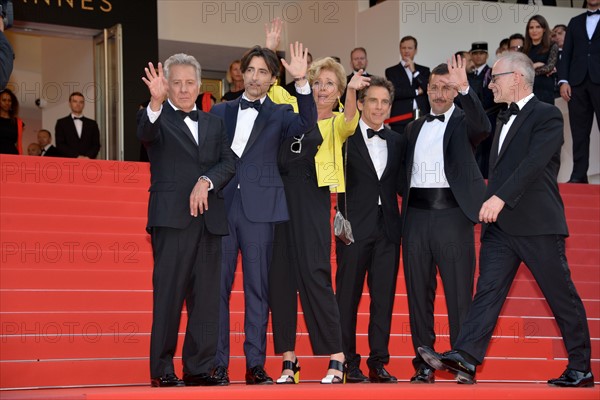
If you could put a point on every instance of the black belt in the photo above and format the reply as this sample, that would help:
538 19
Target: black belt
431 198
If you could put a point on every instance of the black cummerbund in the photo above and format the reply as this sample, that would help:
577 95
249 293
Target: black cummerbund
431 198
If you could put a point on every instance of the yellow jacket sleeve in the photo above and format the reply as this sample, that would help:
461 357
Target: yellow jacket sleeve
328 160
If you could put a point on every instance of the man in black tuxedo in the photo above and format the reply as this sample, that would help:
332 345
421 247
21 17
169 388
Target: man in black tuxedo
410 85
358 61
579 80
525 222
440 207
371 202
44 138
255 198
76 135
190 162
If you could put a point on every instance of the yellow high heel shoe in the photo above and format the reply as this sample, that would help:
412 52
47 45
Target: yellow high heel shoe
334 379
290 379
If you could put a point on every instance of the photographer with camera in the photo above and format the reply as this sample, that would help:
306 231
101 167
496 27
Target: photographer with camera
6 52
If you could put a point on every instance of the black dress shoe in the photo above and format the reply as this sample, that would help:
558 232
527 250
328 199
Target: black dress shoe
380 375
573 378
355 375
451 361
199 380
169 380
258 376
221 376
423 375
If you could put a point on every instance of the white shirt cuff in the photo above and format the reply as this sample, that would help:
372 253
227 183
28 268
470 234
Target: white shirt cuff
304 89
153 115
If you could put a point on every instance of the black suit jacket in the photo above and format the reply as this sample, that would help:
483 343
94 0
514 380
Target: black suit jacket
261 187
524 173
465 130
405 92
176 163
364 188
580 56
69 144
52 152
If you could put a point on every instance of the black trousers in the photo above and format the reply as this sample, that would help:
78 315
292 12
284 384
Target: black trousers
500 257
442 238
376 258
584 103
187 266
302 263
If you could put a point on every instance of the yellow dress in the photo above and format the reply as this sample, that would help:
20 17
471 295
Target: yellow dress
330 165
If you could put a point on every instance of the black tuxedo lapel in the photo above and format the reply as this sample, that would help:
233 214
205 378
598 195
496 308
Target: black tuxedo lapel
392 157
259 123
596 33
231 112
495 143
202 128
73 129
416 130
178 122
361 146
514 128
412 142
404 74
452 123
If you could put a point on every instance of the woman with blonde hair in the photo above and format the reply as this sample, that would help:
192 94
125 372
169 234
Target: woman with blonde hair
311 167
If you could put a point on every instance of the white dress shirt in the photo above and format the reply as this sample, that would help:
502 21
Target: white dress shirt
191 124
78 123
521 103
428 160
377 148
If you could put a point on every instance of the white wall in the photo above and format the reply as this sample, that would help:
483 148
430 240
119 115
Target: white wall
50 68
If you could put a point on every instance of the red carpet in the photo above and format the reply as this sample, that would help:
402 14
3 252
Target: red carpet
76 297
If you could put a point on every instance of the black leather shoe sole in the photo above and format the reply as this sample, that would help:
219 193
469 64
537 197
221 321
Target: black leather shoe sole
160 382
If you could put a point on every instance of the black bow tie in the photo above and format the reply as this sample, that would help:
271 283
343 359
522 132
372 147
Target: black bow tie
430 117
250 104
381 133
79 118
192 114
590 13
504 116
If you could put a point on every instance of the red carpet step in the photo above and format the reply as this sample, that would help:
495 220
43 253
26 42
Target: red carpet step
76 298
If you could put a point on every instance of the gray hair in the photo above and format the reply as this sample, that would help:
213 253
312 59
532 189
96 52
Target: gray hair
182 59
521 63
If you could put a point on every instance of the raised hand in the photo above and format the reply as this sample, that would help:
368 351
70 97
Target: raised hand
298 62
359 81
457 74
273 34
157 84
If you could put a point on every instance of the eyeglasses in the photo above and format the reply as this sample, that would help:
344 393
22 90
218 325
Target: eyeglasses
296 146
515 48
324 85
495 76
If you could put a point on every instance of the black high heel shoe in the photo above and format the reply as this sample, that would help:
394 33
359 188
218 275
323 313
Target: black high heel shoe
290 379
334 379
